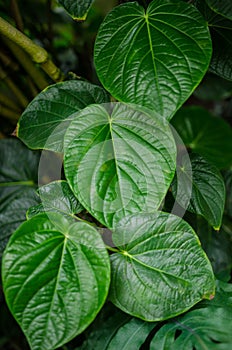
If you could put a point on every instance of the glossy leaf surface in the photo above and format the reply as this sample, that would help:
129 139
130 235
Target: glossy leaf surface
56 277
45 120
154 58
119 160
205 134
78 9
57 197
201 189
161 269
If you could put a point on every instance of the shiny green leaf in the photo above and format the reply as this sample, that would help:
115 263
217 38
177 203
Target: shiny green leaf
119 160
154 57
200 189
55 277
57 197
45 120
78 9
205 134
160 270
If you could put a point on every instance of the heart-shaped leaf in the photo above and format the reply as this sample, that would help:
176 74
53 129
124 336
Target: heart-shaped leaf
119 160
200 189
160 270
45 120
203 133
56 277
154 58
57 197
78 9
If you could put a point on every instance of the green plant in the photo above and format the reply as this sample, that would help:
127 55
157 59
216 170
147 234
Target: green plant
111 227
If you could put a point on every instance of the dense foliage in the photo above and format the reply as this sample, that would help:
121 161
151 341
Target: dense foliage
115 188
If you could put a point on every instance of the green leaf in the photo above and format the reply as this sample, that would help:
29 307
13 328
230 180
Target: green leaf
114 329
78 9
214 88
18 182
57 197
221 34
200 188
161 269
224 7
218 247
154 58
45 120
55 278
205 134
119 160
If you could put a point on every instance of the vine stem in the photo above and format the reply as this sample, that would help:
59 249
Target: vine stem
36 52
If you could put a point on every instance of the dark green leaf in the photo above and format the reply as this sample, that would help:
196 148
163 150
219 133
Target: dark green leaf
161 269
221 33
18 182
200 189
205 134
224 7
114 329
206 328
78 9
228 183
119 160
213 88
45 120
55 277
57 197
154 58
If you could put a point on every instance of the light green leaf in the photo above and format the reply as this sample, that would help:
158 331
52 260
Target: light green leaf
224 7
205 134
57 197
45 120
200 189
161 269
78 9
114 329
119 160
154 58
55 278
18 183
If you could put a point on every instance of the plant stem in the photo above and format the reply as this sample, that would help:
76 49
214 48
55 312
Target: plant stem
115 250
6 101
27 64
9 113
17 15
37 53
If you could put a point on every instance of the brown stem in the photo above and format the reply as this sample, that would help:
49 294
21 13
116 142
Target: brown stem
16 15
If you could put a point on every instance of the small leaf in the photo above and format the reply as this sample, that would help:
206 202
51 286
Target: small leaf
119 160
161 269
57 197
200 189
45 120
78 9
55 277
154 58
205 134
